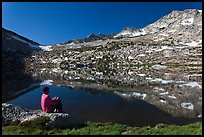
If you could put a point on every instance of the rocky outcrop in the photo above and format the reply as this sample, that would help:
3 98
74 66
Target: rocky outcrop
55 120
177 27
89 38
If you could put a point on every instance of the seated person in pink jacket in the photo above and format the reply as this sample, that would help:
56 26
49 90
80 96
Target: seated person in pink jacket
49 104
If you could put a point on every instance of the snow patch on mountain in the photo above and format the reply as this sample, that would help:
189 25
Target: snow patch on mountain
187 21
131 32
159 67
192 84
192 44
46 48
34 46
187 105
31 45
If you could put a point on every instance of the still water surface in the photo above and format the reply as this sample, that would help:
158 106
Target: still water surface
102 107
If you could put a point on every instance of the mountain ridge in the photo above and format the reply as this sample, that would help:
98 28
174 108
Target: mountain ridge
175 27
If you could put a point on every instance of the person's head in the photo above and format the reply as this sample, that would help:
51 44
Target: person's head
46 90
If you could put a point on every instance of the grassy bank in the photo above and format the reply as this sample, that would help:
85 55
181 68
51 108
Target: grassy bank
37 128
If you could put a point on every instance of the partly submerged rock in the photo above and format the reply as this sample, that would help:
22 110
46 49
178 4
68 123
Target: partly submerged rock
56 120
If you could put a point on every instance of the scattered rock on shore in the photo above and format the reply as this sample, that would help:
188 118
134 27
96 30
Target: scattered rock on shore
11 113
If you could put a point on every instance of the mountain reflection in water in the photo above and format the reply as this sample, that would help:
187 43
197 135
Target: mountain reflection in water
169 98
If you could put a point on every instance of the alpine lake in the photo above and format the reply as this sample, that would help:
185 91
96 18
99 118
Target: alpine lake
136 96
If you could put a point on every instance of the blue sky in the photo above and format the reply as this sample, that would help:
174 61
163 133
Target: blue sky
54 22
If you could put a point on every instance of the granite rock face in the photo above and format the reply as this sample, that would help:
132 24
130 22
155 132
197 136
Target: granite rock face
56 120
176 27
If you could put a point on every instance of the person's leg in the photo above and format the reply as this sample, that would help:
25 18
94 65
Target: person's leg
53 109
58 107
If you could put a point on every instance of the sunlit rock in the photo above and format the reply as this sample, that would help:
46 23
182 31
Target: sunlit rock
56 120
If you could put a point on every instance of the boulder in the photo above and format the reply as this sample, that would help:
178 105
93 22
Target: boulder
13 113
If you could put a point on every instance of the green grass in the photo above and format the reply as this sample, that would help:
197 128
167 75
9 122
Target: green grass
191 129
38 128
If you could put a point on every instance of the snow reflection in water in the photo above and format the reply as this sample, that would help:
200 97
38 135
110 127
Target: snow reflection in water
129 99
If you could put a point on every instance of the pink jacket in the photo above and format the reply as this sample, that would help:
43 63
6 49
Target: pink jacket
47 102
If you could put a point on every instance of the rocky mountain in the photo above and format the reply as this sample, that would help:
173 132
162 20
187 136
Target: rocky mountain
178 27
176 35
13 42
89 38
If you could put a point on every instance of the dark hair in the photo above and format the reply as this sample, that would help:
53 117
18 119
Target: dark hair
46 89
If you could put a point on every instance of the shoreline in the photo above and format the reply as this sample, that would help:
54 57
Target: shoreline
36 123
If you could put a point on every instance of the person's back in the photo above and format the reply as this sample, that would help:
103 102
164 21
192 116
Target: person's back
49 104
45 103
